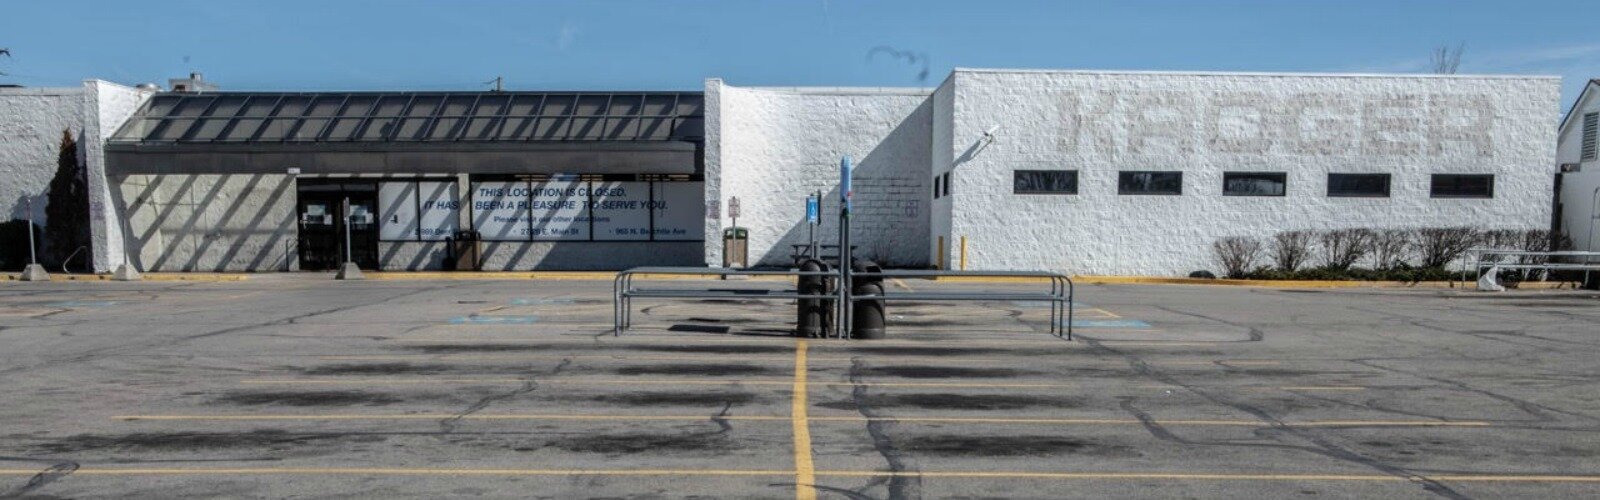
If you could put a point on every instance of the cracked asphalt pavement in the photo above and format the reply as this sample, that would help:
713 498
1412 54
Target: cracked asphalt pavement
298 386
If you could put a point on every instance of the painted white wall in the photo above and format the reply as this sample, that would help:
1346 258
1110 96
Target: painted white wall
106 107
772 146
31 121
1204 124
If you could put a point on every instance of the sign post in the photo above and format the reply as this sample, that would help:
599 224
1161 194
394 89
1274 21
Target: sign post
34 271
844 248
733 210
813 215
349 270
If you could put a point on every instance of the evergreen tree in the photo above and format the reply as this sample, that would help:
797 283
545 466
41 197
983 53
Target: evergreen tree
67 213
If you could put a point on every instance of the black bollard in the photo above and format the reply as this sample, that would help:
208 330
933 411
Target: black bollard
813 313
867 316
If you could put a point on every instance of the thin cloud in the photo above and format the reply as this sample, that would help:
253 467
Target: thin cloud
567 35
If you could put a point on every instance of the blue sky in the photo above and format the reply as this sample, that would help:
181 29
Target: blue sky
436 45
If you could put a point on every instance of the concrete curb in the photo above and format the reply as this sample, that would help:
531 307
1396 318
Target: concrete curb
147 277
531 275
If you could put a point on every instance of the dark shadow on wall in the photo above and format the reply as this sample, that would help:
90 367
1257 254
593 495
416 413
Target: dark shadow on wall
230 226
892 206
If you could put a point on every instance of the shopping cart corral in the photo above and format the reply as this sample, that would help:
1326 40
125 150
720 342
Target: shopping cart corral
845 293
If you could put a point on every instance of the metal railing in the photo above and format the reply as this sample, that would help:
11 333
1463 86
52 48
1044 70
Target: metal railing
623 292
1059 296
1480 259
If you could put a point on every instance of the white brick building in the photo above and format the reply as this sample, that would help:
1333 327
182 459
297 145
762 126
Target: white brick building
31 122
1124 172
1083 172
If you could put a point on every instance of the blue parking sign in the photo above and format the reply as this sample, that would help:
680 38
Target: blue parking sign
813 211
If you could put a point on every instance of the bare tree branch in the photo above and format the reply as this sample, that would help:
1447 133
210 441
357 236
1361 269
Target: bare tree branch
1446 60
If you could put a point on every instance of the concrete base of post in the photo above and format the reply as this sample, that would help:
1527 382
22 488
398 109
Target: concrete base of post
35 272
126 272
349 271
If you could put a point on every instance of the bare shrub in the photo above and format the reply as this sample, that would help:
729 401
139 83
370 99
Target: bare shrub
1390 247
1341 248
1237 254
1291 249
1438 246
1500 239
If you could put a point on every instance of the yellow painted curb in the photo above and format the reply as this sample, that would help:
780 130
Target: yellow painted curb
147 277
535 275
1158 280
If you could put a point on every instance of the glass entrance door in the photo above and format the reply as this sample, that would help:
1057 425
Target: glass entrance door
325 207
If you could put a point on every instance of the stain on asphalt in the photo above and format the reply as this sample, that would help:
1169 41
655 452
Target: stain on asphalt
1010 446
313 398
451 348
933 351
675 398
267 439
717 349
702 319
627 444
692 369
378 369
946 401
921 371
698 328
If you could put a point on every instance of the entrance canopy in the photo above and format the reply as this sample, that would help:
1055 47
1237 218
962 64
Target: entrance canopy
411 132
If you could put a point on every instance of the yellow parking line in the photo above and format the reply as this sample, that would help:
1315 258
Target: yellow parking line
398 471
806 434
875 358
805 478
513 357
1183 476
1039 475
775 382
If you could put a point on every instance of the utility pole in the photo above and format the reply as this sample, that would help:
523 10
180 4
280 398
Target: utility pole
497 81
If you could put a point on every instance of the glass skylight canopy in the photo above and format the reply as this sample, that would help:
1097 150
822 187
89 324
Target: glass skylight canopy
414 117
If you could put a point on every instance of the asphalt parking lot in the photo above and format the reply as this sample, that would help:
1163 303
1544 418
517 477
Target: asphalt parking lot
297 386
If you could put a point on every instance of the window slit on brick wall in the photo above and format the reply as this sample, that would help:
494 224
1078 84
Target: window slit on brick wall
1462 186
1254 183
1044 182
1148 182
1358 185
947 183
936 187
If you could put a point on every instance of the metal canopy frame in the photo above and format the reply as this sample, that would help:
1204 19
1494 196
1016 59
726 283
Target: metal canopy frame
304 117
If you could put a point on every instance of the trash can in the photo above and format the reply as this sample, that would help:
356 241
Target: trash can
735 248
867 316
465 248
815 315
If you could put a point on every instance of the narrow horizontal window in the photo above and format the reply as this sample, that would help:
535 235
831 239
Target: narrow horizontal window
1044 182
1168 183
1462 186
1254 183
1358 185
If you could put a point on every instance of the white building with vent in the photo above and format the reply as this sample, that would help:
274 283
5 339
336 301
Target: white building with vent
1578 208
